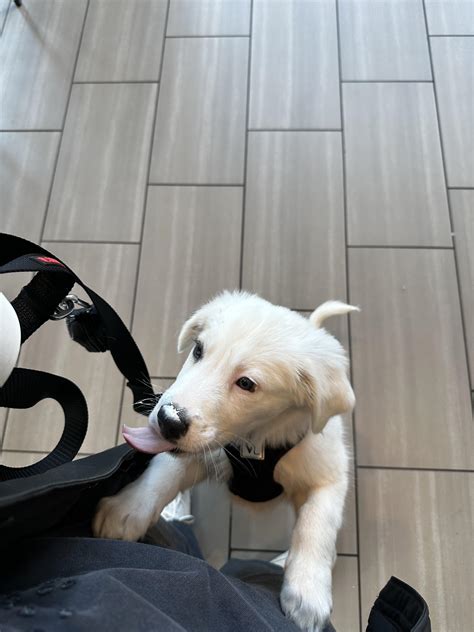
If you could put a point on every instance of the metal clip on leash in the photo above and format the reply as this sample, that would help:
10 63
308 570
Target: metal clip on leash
67 306
83 323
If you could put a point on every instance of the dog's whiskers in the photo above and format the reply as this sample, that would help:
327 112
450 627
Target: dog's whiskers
248 467
195 479
240 437
147 400
213 462
143 380
244 440
205 458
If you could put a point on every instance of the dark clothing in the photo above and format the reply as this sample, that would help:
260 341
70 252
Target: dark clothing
85 584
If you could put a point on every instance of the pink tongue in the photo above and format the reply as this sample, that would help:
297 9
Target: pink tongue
145 439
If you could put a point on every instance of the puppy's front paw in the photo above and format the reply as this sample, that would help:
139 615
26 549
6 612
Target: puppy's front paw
122 517
306 598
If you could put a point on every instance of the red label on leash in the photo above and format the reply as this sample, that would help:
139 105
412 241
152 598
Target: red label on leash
49 260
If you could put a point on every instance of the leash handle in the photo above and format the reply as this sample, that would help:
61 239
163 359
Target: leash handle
25 388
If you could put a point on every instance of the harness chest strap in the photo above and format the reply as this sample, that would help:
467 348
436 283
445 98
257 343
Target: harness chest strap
252 478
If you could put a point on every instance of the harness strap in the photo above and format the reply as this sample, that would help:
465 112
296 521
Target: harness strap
252 479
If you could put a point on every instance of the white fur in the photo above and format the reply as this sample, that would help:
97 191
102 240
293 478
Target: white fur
330 308
171 412
301 375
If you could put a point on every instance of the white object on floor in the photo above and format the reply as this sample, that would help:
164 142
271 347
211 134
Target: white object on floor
10 338
280 560
179 508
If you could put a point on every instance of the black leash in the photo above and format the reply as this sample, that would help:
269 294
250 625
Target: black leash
96 327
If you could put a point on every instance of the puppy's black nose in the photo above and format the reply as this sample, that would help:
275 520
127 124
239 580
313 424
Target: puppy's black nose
173 422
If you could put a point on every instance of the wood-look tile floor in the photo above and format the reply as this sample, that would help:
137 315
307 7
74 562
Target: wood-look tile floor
303 149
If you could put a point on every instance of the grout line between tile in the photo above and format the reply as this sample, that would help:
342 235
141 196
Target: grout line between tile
460 188
118 436
43 225
91 241
295 129
386 81
145 200
5 17
4 431
349 336
387 247
444 35
63 124
450 212
207 36
246 149
278 551
23 451
243 548
191 184
24 131
414 469
133 81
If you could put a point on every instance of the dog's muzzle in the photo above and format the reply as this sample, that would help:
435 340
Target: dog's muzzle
173 422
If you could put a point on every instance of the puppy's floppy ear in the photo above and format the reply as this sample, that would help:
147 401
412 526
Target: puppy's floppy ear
190 330
327 394
199 320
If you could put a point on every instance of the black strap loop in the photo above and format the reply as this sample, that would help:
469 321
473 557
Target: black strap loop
25 388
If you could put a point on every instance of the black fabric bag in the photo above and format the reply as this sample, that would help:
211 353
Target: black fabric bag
58 492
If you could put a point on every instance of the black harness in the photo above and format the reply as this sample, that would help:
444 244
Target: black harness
252 479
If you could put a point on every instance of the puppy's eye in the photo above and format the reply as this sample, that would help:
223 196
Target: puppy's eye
246 384
198 350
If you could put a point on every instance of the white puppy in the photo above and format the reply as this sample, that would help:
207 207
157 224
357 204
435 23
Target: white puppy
265 375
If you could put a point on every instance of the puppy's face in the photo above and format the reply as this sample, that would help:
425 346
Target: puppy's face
237 377
249 361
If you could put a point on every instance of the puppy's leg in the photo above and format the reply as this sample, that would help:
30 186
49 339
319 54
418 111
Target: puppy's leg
314 476
127 515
